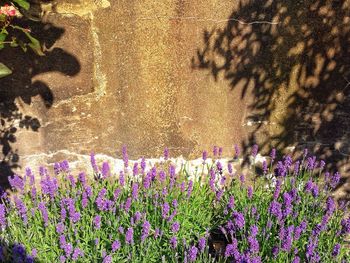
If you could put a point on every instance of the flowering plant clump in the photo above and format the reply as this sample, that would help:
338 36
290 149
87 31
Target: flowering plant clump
10 31
164 214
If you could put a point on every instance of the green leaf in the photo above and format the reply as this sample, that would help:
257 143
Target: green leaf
2 39
35 44
22 3
4 71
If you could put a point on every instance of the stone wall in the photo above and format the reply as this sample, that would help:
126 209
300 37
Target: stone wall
183 74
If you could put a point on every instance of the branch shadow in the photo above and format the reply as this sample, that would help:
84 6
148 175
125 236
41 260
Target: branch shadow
19 88
293 59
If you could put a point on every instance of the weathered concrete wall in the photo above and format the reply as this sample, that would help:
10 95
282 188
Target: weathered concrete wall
187 75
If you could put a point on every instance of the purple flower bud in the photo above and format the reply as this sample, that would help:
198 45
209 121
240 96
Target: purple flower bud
125 156
220 151
166 154
121 178
135 169
273 154
107 259
238 219
264 167
204 156
143 164
215 151
254 150
175 227
2 216
145 230
129 236
116 245
173 242
97 221
93 162
231 202
201 244
336 250
105 169
192 253
250 192
229 167
135 191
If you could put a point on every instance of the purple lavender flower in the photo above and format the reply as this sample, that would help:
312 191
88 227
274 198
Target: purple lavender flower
275 251
311 161
192 253
336 250
162 176
220 151
135 169
135 191
281 169
250 192
273 154
174 203
165 210
231 249
215 151
277 189
143 164
157 233
314 191
345 223
175 227
335 179
201 244
237 151
264 167
204 156
107 259
190 188
275 209
330 205
296 259
166 154
147 181
253 245
82 179
93 162
97 221
308 186
44 213
287 203
238 219
229 168
254 230
125 156
105 169
84 200
60 228
322 164
2 216
242 179
296 167
288 239
173 242
231 202
77 253
219 166
16 182
121 179
18 252
22 209
129 236
116 245
255 149
145 230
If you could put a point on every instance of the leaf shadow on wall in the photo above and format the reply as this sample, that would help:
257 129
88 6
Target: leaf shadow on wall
293 59
20 88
